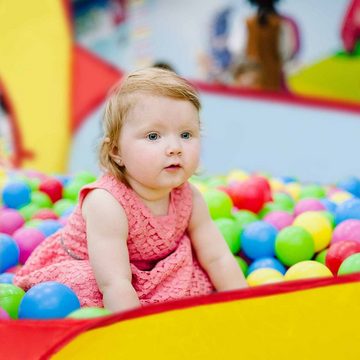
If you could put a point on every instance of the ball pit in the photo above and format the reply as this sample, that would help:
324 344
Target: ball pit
307 270
340 251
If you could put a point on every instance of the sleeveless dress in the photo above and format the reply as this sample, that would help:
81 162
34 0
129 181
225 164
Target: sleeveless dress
162 261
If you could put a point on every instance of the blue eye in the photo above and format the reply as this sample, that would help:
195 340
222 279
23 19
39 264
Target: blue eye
152 136
186 135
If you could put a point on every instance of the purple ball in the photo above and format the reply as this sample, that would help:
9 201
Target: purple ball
347 230
279 219
4 315
10 221
308 205
27 239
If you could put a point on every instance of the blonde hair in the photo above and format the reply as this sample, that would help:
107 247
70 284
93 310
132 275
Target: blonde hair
124 96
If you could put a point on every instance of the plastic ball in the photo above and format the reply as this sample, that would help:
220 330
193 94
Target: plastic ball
350 209
10 298
49 227
88 313
219 203
294 244
329 205
10 221
350 265
41 199
72 189
244 217
347 230
247 195
85 177
242 263
62 205
307 270
48 300
16 194
338 252
351 185
258 240
318 226
284 201
321 256
312 191
6 278
340 197
269 262
279 219
230 232
29 210
264 276
27 239
308 205
294 190
45 214
53 188
4 315
237 175
331 218
9 252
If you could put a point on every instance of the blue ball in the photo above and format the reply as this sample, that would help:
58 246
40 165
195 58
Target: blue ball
9 252
351 185
48 300
268 262
287 179
329 205
16 194
258 240
349 209
6 278
49 227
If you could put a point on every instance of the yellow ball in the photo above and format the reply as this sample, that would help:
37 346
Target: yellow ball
237 175
264 276
294 190
318 226
307 270
340 196
276 185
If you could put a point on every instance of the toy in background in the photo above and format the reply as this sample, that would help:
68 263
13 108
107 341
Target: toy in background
350 31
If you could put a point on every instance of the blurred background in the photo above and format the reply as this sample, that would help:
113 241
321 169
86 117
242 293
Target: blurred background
279 80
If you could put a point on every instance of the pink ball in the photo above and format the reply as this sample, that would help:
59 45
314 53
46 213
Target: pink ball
308 205
27 239
347 230
45 214
279 219
4 315
10 221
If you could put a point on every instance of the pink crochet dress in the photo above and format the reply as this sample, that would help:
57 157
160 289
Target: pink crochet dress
161 256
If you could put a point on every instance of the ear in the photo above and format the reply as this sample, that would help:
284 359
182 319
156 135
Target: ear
115 155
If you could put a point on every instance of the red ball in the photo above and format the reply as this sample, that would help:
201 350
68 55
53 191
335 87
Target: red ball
338 252
53 188
45 214
264 184
247 195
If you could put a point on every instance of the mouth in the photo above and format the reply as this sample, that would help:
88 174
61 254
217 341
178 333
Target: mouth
173 167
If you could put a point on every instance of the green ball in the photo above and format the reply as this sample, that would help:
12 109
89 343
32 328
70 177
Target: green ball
71 191
230 232
270 207
321 256
10 298
84 177
88 313
219 203
29 210
33 183
294 244
244 217
284 201
242 263
216 181
41 199
312 191
62 205
34 223
350 265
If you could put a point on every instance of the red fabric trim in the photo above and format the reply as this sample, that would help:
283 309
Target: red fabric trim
265 290
286 98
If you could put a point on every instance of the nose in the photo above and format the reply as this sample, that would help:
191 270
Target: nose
173 147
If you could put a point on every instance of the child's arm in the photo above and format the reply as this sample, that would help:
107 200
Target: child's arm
211 249
107 232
